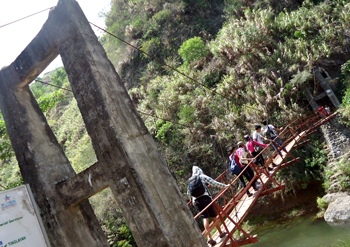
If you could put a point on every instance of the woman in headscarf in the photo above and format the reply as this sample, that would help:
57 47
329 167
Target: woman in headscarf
198 191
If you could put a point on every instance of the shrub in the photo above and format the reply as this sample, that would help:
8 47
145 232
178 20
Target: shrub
261 92
162 16
151 47
118 233
321 204
192 49
187 116
48 101
165 131
345 78
212 78
59 77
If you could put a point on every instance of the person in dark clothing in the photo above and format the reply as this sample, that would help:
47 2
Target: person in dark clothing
244 158
269 131
202 200
232 151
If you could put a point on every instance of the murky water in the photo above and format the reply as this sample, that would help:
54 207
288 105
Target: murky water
302 232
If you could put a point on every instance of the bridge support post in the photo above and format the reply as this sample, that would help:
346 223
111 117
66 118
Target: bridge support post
136 173
43 163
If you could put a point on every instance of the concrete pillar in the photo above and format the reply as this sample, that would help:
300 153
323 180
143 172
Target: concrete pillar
137 174
311 100
324 84
43 163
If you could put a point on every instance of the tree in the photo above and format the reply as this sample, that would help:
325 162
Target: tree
192 49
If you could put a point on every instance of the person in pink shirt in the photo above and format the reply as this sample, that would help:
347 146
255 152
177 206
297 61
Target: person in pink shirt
233 155
244 158
251 148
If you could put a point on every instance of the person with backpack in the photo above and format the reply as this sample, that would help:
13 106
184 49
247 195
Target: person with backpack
236 168
244 158
267 153
269 131
201 197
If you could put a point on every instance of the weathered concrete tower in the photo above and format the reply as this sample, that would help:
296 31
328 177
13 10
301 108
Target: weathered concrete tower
128 160
336 134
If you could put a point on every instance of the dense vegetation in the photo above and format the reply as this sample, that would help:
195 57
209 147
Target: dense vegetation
249 60
158 27
255 68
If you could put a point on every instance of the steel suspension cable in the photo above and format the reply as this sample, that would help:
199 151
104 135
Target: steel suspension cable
53 85
168 120
25 17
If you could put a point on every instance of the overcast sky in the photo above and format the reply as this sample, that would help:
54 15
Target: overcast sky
15 37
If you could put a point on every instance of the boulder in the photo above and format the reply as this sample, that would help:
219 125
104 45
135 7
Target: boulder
333 196
338 211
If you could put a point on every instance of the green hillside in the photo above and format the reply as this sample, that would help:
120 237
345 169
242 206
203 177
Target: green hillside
253 67
250 61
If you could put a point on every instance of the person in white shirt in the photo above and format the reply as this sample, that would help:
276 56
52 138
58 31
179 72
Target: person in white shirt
259 138
269 131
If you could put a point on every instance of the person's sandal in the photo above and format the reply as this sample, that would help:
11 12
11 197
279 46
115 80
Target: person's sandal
212 242
223 234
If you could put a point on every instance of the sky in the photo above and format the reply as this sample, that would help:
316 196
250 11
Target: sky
15 37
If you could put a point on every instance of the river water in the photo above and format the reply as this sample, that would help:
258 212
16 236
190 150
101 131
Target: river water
302 231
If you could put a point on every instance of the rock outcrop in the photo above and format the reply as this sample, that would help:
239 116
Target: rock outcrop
338 211
337 138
